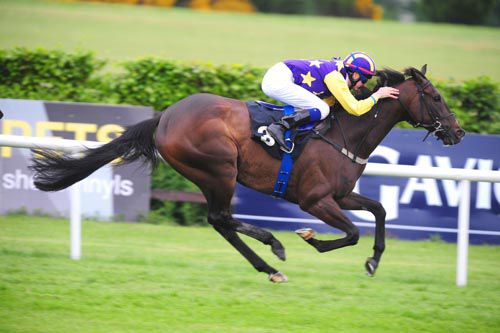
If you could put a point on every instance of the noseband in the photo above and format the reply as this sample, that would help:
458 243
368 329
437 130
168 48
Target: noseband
432 128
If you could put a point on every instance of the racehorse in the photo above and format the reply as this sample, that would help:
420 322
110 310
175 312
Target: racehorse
207 139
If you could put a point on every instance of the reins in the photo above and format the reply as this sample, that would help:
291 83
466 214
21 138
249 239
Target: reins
435 127
344 150
351 156
374 124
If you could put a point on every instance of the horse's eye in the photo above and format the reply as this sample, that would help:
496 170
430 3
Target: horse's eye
437 98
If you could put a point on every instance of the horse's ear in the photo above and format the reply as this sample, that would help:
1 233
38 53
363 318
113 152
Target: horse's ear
424 69
415 74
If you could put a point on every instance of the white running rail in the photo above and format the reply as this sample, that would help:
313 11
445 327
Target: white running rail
69 146
372 169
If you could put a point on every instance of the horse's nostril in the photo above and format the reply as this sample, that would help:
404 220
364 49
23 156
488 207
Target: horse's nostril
460 133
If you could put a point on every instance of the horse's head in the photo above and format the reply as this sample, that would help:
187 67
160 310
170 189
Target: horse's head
425 107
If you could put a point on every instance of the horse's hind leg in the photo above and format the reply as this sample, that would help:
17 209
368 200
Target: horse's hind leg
355 201
220 224
257 262
219 216
261 235
328 211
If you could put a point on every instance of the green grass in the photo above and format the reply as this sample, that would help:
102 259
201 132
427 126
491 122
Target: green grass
119 32
148 278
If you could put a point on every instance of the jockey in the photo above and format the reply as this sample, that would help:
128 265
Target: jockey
312 86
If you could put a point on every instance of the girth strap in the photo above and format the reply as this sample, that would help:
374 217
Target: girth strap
286 162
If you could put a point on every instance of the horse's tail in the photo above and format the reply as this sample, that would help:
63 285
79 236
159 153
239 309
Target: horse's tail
54 172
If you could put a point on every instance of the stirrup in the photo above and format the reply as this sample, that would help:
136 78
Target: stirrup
280 136
288 150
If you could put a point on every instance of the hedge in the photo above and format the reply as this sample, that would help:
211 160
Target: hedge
79 77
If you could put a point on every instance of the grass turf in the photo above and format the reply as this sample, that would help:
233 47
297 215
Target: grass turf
119 32
136 278
148 278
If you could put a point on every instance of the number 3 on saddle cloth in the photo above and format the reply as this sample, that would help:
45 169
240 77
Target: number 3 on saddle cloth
263 114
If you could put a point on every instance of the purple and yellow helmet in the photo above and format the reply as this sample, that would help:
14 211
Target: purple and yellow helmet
361 63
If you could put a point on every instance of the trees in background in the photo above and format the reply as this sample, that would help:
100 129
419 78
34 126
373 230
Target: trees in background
449 11
349 8
458 11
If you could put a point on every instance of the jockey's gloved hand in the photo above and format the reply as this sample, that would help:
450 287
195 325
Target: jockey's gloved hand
386 92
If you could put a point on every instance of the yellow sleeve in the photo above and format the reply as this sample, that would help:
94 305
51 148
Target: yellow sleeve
338 87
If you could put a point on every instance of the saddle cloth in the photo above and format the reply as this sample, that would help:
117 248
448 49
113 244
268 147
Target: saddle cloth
262 114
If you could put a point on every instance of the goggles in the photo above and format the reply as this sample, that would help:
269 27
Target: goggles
362 77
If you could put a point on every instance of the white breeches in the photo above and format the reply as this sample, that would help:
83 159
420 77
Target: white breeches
278 84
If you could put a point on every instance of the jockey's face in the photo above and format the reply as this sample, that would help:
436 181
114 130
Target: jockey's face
358 84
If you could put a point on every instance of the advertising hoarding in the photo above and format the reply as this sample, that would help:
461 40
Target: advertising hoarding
121 192
416 208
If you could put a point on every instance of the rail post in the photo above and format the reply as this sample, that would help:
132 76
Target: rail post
75 222
463 233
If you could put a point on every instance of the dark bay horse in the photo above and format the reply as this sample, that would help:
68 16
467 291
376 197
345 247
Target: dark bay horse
206 138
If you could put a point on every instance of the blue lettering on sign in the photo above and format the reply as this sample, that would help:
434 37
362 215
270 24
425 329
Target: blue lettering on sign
416 208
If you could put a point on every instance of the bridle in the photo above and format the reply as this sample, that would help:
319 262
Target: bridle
433 128
436 126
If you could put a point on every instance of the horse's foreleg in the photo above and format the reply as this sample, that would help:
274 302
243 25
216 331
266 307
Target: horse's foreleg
355 201
261 235
328 211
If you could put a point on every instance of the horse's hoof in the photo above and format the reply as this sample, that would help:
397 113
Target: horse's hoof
278 249
279 252
371 266
278 277
306 233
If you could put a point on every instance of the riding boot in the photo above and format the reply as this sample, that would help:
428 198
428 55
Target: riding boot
299 117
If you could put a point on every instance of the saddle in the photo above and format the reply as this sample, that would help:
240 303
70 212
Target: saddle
262 114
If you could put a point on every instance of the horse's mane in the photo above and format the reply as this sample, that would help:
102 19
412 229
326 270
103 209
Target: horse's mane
389 77
386 77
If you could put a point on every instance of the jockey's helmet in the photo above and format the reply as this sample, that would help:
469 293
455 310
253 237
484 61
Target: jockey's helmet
361 63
